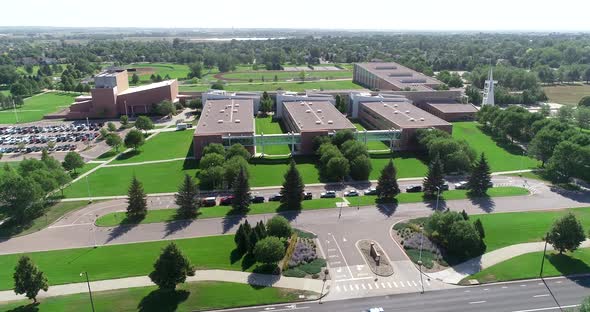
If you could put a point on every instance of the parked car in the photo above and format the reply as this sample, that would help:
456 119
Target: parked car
328 194
226 200
208 202
445 187
307 196
275 197
414 189
256 199
461 185
351 193
371 191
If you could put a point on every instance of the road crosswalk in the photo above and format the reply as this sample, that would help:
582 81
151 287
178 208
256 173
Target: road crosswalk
364 285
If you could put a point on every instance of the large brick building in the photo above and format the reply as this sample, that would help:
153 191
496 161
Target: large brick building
392 77
111 97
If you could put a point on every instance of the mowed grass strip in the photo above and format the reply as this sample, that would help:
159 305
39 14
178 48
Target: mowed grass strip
290 86
447 195
168 215
164 145
258 76
570 95
117 261
499 158
195 296
35 107
528 266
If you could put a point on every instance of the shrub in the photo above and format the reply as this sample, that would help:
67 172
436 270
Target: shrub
295 272
304 252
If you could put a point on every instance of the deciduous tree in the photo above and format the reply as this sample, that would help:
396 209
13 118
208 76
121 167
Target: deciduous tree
566 233
278 226
28 279
171 268
269 250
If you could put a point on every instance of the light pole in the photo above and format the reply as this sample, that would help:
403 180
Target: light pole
15 113
323 285
420 262
88 188
89 290
437 197
541 272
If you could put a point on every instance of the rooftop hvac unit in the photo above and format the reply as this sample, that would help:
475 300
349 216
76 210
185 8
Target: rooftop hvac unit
407 112
237 105
330 122
220 121
221 111
237 121
412 119
421 118
319 110
308 110
317 122
384 105
395 112
235 110
394 105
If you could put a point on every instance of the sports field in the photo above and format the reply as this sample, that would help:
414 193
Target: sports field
196 296
175 71
570 95
290 86
35 107
500 158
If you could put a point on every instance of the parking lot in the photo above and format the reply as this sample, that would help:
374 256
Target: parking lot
55 137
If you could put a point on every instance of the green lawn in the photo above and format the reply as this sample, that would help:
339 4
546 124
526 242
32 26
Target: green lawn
175 71
258 76
297 87
373 145
196 296
448 195
567 94
267 125
537 175
529 265
35 107
164 145
504 229
408 164
117 261
51 215
500 159
167 215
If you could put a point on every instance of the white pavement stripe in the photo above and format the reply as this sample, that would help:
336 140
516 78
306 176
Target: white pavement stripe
539 296
383 285
370 287
478 302
402 283
344 287
427 283
68 225
389 284
549 308
395 284
337 288
414 283
363 285
356 286
341 253
376 286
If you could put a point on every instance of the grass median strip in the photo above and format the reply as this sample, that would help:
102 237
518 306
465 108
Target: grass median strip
117 261
528 266
187 297
168 215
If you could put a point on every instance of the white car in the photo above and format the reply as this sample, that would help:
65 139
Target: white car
461 185
375 310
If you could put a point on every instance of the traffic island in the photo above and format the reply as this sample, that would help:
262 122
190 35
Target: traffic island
375 258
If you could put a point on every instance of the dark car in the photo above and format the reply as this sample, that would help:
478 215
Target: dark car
444 187
307 196
414 189
275 197
257 199
226 200
328 194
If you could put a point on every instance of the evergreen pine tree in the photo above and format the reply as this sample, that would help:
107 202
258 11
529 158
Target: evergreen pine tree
247 234
479 227
28 279
137 200
260 230
387 187
241 200
480 179
464 215
292 190
171 268
434 179
187 198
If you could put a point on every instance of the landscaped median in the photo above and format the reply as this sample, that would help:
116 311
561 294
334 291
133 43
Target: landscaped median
168 215
187 297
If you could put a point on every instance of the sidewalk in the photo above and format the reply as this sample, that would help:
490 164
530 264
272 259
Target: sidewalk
200 275
455 274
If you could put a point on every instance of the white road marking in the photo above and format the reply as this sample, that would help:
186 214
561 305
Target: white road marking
538 296
333 256
468 291
331 249
370 287
344 239
395 284
376 286
402 283
337 288
522 285
343 258
335 262
478 302
352 279
389 284
486 289
363 285
414 283
68 225
383 285
504 287
427 283
356 286
344 287
549 308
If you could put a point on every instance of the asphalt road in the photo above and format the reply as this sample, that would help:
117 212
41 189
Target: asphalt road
520 296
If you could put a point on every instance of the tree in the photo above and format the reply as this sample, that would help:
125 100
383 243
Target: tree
543 144
241 200
103 133
479 227
339 103
242 239
480 179
265 103
171 268
187 198
434 180
164 108
278 226
583 117
585 306
352 149
231 169
124 120
196 71
195 104
211 160
144 123
237 149
566 233
28 279
136 200
134 139
21 197
73 161
111 126
387 187
293 187
342 136
211 178
269 250
464 240
337 169
214 148
114 140
134 79
585 101
565 113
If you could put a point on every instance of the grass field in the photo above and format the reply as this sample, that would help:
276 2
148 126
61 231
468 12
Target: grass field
164 145
408 164
196 296
570 95
448 195
528 266
36 107
21 70
267 125
297 87
500 158
504 229
373 145
269 76
51 215
64 266
175 71
167 215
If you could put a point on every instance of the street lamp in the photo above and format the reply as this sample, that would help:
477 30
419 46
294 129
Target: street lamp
437 197
326 272
88 188
541 272
89 290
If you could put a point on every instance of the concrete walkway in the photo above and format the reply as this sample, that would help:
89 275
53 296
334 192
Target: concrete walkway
455 274
200 275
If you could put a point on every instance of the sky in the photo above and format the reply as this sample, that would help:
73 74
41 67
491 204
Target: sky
420 15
